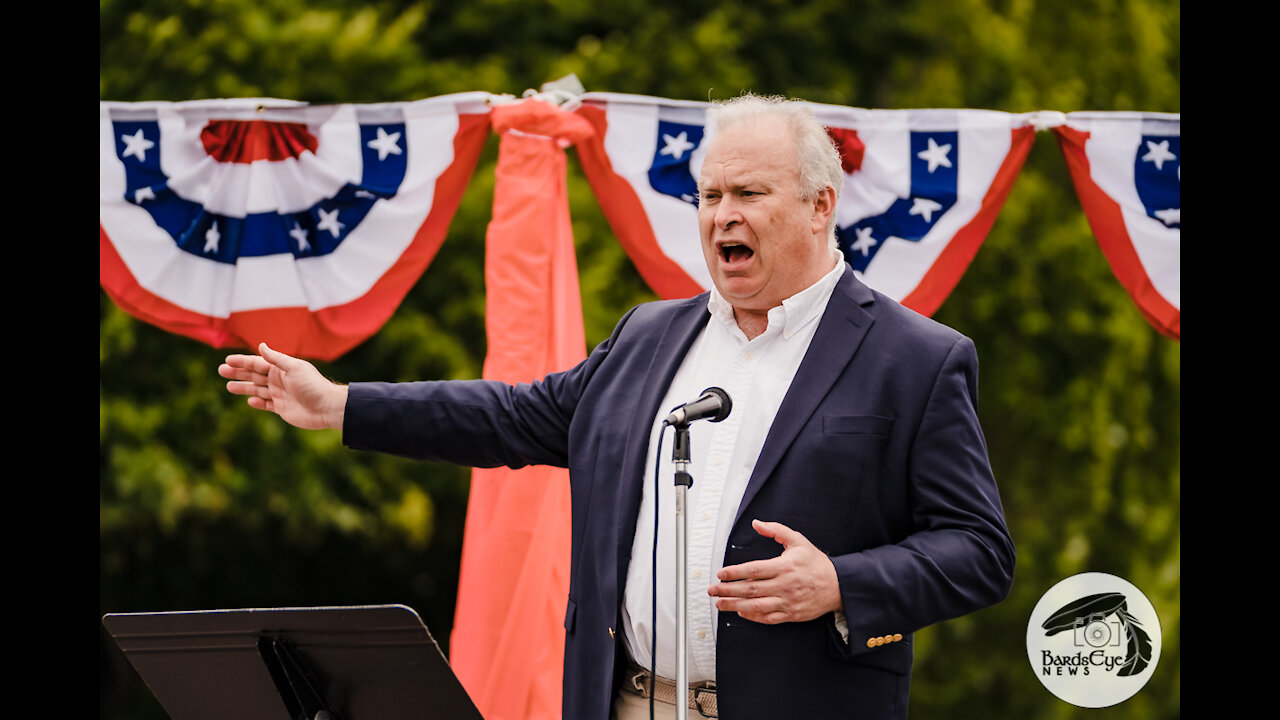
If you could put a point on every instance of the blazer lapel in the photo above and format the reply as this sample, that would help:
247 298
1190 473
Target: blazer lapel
840 332
670 346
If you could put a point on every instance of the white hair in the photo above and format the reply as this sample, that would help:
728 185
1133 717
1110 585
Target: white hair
817 157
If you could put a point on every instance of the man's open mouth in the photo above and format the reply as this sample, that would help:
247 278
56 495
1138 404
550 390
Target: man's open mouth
735 252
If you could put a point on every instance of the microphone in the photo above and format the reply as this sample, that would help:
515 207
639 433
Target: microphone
714 404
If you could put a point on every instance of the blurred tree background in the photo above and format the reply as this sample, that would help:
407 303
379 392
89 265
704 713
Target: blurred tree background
205 503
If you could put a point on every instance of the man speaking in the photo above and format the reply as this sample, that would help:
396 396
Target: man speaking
845 502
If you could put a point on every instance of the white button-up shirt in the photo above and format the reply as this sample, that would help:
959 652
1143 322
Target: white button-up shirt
756 374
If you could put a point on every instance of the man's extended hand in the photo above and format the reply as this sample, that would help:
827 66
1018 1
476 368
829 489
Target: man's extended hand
800 584
287 386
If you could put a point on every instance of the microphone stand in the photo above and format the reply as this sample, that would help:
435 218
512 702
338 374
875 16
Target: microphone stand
683 481
714 404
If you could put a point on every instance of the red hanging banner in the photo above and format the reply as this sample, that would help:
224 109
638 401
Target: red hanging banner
507 646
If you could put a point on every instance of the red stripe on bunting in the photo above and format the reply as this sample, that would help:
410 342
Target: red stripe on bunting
626 215
324 334
953 261
1107 222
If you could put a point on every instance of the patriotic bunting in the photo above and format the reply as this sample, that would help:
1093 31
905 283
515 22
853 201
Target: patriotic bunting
1127 170
922 188
640 164
248 220
240 221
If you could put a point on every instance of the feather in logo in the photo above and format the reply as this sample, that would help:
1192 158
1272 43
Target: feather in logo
1093 640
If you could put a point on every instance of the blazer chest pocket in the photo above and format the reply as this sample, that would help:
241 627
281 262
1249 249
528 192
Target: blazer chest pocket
873 425
829 476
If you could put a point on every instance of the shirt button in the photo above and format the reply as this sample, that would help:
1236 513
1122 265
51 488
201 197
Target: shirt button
702 634
705 515
697 573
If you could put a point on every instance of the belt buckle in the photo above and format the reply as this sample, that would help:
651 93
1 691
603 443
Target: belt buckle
642 683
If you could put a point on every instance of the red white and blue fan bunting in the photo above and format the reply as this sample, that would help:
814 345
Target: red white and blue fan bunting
240 221
641 166
1127 170
922 188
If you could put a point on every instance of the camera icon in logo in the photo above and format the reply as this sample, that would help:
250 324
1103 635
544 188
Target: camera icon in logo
1098 634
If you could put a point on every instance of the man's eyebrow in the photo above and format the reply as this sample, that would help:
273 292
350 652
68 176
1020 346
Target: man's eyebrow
758 181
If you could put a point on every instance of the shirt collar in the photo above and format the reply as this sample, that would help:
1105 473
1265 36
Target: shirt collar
795 312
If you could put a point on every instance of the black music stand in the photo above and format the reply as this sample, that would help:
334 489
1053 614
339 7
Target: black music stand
324 663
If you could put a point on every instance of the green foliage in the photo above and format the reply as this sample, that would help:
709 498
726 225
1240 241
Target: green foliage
207 503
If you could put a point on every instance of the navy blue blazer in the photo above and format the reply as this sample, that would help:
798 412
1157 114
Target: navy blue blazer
875 455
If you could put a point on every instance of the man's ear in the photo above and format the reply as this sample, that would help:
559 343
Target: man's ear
824 206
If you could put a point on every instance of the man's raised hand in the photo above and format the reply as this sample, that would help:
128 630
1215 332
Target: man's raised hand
287 386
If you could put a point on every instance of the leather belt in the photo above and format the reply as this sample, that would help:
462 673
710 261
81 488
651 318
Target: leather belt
702 696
